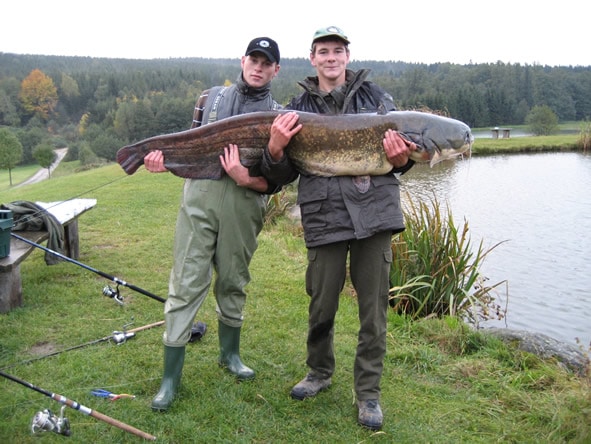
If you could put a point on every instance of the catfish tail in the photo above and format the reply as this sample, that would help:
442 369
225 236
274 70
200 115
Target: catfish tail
130 159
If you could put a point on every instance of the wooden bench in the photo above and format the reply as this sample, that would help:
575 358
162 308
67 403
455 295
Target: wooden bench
506 132
67 213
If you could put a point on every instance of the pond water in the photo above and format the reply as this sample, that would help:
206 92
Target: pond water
539 206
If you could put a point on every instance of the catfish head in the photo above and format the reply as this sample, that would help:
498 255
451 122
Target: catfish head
437 137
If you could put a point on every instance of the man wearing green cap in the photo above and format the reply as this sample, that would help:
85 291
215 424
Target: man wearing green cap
343 217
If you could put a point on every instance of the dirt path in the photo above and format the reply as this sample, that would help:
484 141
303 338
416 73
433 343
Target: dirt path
43 174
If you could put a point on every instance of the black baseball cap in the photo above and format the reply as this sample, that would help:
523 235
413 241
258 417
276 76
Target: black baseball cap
265 45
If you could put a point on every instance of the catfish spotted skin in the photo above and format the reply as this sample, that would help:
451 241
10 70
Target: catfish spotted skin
327 145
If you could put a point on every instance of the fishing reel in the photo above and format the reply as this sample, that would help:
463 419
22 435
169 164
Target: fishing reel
119 337
46 421
113 293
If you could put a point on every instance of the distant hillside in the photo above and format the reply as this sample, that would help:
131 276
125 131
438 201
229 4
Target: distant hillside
123 100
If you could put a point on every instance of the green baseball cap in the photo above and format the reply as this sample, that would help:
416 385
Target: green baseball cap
331 31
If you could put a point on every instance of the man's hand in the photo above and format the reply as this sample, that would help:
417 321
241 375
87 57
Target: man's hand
231 163
284 127
397 148
154 162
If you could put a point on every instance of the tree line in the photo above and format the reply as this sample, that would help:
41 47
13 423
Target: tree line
96 105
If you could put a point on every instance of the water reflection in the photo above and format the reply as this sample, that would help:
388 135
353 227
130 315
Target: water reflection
540 205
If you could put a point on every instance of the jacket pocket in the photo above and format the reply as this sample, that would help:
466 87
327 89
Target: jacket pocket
312 194
312 215
312 189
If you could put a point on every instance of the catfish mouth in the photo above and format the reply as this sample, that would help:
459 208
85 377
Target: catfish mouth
441 154
466 149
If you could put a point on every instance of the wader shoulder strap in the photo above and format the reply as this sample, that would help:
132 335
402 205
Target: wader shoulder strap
213 114
202 101
199 107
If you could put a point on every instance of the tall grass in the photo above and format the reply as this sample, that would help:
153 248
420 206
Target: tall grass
584 141
436 269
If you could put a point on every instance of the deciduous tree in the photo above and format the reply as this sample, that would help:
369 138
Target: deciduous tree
45 156
38 94
11 151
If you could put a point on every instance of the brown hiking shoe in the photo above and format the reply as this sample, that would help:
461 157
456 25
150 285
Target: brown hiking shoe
370 414
309 386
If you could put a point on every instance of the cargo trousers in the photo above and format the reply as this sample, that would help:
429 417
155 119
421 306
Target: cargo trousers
369 261
216 231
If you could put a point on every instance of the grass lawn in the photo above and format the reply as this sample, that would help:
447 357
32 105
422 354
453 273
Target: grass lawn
19 174
442 382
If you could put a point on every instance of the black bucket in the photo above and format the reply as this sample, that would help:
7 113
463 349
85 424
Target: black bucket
6 224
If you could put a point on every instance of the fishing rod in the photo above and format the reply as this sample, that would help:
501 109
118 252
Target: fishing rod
118 337
107 291
46 421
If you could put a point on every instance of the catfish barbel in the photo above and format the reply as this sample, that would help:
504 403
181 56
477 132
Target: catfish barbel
327 145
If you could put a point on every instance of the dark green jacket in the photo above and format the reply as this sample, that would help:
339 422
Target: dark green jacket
332 208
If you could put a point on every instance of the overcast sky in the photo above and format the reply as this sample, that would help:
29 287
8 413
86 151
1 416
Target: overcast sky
423 31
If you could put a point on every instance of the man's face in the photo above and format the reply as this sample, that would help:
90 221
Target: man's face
258 70
330 59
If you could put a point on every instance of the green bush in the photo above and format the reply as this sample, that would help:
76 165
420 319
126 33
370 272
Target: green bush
86 155
542 121
59 142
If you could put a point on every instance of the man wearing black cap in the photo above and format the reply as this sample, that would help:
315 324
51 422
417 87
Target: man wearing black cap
217 226
343 217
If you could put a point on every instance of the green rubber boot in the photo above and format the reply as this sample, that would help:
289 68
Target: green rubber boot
230 352
174 358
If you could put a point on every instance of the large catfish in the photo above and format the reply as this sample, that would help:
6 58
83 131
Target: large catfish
327 145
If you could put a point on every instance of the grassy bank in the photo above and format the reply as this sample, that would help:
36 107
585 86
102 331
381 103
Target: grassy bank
532 144
442 382
571 136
